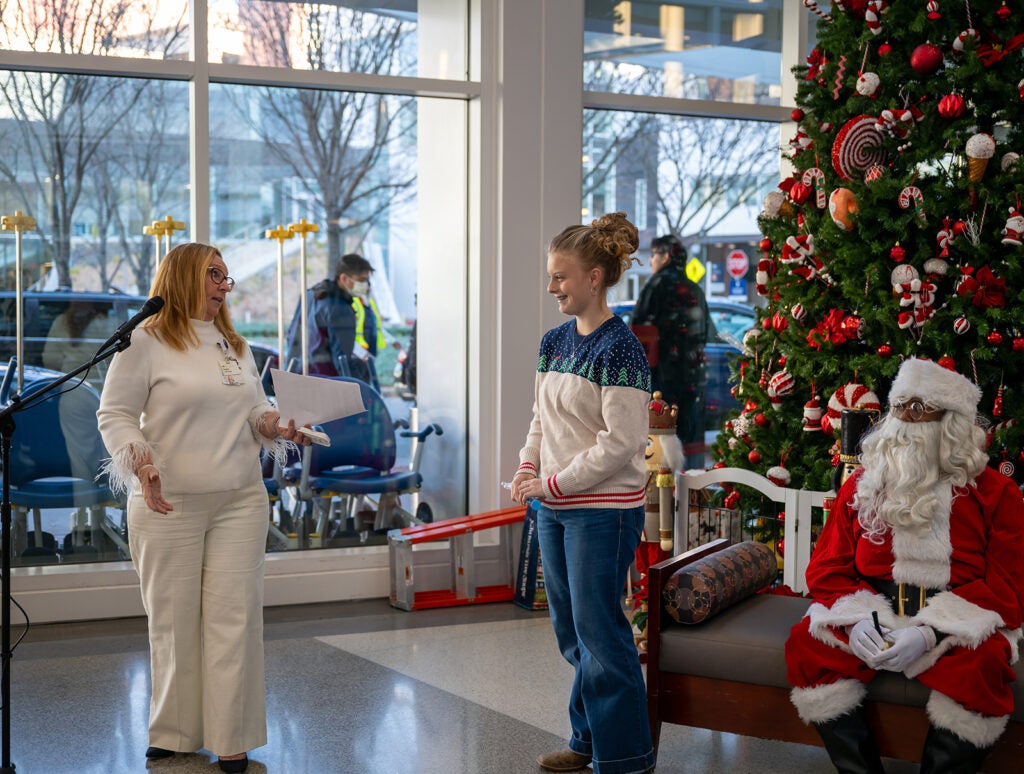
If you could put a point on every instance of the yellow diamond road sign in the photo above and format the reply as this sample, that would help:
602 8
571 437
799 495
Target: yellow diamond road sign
695 269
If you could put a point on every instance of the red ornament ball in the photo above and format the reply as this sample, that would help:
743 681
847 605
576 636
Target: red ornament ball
1004 12
995 338
765 245
897 253
926 59
779 322
852 327
754 456
780 547
782 361
885 49
951 106
947 362
799 192
760 419
766 323
1018 344
885 351
749 406
797 114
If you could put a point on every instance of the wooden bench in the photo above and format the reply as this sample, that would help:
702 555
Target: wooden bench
729 674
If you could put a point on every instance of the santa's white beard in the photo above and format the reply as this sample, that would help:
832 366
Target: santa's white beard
901 468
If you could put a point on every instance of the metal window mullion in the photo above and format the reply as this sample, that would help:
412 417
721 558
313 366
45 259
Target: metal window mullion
199 124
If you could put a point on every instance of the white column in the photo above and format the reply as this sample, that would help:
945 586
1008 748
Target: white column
527 187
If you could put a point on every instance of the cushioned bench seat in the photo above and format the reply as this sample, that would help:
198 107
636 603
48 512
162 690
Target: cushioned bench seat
745 644
729 674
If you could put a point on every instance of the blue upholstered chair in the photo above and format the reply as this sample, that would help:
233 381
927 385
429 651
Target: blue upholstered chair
359 468
56 451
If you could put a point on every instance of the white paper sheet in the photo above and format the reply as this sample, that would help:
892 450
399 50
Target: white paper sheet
312 400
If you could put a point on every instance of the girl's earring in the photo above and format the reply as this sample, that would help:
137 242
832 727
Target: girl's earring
593 290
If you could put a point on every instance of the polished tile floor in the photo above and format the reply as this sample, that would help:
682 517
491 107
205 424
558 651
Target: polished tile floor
356 688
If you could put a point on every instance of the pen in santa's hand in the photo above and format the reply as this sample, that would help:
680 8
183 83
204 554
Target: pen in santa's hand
878 628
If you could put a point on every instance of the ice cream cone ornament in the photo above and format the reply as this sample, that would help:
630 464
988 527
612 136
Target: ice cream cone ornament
979 149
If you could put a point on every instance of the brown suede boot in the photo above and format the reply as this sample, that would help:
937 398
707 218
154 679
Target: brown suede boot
563 760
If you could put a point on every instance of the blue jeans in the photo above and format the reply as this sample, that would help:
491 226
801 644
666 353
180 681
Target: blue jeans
586 554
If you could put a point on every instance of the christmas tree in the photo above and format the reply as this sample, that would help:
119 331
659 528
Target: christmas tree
899 233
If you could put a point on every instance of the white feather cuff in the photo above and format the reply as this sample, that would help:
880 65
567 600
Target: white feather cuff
121 465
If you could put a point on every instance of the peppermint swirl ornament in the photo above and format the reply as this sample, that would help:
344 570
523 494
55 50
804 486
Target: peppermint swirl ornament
858 145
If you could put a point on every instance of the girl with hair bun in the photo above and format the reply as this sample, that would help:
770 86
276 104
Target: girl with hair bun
584 461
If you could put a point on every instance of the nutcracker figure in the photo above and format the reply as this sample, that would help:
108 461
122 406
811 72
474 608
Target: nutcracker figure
664 459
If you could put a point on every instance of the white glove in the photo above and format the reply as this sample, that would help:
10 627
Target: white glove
865 642
908 645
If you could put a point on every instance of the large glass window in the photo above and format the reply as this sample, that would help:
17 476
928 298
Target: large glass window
723 50
702 180
345 36
151 29
93 160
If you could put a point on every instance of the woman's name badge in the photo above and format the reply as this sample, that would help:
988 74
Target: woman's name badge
231 372
230 368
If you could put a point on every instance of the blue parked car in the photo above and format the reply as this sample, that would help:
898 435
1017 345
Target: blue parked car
728 322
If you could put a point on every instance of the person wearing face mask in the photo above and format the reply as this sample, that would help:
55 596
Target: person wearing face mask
369 331
331 321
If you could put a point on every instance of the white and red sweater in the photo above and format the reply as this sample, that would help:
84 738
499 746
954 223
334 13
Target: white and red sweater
590 422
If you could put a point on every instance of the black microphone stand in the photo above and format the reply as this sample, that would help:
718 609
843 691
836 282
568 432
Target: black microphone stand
18 403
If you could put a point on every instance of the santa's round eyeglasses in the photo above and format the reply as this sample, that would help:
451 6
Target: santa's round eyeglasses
915 410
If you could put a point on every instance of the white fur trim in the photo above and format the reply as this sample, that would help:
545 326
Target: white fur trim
945 389
120 466
922 558
846 611
822 703
1013 636
980 730
955 616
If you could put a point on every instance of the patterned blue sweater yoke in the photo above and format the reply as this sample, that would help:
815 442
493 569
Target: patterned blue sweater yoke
609 356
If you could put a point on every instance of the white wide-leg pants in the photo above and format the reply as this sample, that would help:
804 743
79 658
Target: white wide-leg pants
201 571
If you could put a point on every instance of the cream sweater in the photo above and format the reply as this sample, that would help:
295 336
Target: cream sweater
590 421
200 432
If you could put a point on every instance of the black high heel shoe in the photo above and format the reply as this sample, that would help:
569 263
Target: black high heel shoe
156 753
234 765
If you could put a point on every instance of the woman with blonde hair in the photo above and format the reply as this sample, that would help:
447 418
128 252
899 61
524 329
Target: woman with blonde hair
183 416
584 461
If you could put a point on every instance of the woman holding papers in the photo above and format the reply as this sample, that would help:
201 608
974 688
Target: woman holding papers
183 415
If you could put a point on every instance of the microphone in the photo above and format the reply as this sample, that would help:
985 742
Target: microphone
150 308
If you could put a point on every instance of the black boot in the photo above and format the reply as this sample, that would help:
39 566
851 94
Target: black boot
851 744
946 753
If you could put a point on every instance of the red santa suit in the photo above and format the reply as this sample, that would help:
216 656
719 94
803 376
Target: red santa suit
970 563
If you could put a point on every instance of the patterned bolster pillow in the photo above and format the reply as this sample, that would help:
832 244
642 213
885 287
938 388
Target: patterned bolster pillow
700 590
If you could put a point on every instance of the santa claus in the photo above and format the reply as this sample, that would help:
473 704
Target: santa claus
918 570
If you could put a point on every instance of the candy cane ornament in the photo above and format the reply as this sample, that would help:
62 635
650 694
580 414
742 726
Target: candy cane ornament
815 178
813 6
873 13
911 196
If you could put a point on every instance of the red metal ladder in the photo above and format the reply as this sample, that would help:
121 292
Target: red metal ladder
462 589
